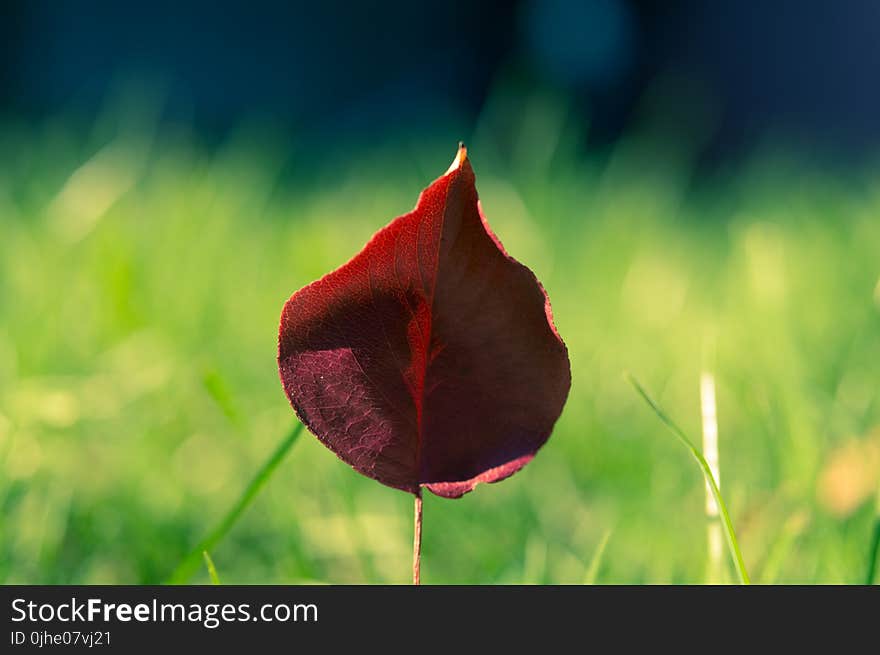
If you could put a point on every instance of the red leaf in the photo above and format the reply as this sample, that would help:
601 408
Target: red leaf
431 358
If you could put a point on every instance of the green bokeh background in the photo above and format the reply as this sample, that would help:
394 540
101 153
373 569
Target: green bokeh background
142 274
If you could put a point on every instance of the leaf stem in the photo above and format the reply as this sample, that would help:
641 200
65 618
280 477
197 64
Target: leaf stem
732 544
417 539
191 562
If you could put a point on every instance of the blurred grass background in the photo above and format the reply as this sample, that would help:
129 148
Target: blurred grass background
142 274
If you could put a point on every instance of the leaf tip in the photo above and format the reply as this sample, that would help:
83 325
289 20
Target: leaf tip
460 158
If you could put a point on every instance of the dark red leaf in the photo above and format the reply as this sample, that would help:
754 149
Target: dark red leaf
431 358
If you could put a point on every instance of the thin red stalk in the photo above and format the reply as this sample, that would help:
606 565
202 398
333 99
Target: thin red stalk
417 538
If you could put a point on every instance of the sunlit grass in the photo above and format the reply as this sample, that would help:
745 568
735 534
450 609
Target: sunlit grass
212 569
187 566
141 280
711 480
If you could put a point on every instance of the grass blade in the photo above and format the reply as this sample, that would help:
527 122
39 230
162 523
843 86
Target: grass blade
212 570
190 563
874 551
732 544
708 409
596 561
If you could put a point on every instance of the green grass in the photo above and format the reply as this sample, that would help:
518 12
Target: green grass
729 531
188 565
212 570
141 280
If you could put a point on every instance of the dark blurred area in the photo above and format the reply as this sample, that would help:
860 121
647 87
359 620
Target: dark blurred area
806 71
